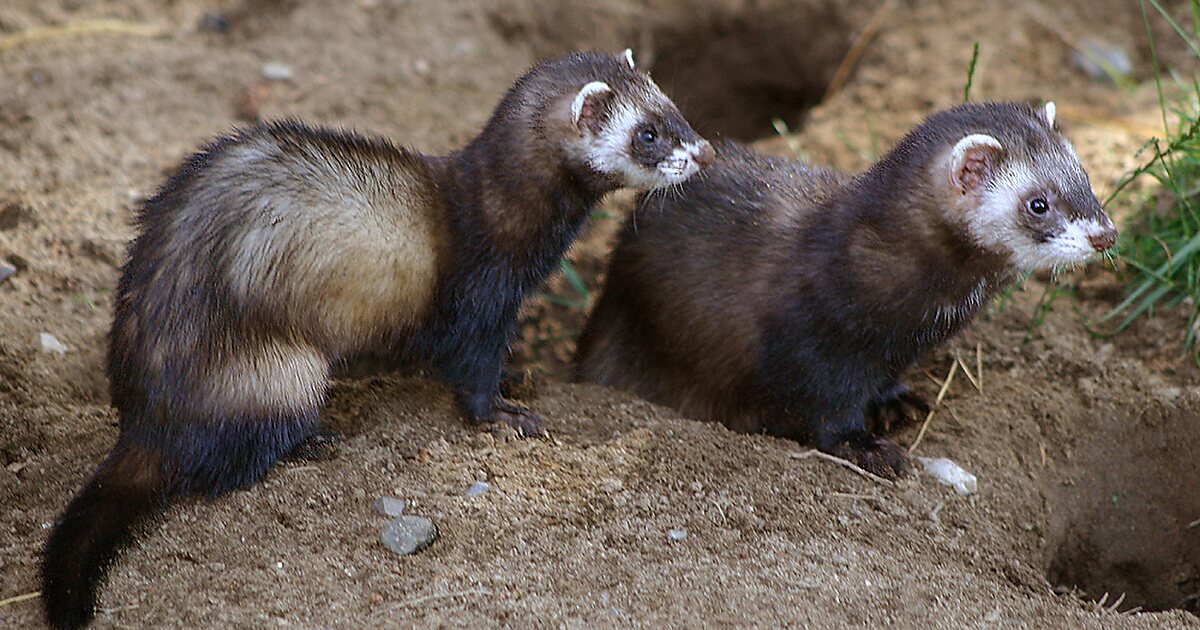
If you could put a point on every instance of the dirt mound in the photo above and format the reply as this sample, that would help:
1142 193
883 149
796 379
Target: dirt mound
1084 447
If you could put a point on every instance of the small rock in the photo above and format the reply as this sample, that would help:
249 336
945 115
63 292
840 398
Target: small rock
421 67
388 506
275 71
50 343
950 474
408 534
213 22
677 535
6 270
477 488
1098 59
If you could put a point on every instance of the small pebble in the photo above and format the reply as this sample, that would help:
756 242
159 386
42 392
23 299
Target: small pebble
408 534
950 474
477 488
1098 58
6 270
214 22
677 535
50 343
275 71
388 506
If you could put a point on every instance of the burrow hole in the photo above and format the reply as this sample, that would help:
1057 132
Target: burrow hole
733 73
1127 519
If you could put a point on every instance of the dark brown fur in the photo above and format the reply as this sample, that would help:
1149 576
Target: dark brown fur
780 297
280 250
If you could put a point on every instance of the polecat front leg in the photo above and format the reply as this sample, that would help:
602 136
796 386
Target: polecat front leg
895 408
846 436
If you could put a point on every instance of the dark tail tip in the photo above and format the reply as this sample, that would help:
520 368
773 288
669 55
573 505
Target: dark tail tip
126 490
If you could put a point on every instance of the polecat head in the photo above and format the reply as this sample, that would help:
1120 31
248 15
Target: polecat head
618 125
1017 185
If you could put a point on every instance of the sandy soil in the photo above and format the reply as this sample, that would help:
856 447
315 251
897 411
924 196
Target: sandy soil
1084 447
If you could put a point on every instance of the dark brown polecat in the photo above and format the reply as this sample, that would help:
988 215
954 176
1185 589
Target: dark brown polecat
279 250
777 296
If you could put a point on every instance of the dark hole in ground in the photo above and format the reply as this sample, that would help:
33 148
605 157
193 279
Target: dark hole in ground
1128 522
733 72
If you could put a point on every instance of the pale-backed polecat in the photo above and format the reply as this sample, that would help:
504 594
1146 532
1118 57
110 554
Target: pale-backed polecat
282 248
777 296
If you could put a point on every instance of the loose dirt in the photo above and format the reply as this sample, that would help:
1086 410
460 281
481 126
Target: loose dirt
1085 447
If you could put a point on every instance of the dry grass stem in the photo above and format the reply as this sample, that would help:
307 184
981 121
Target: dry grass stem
76 29
843 462
874 25
929 416
19 598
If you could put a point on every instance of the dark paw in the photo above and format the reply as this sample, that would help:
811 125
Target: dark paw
876 455
896 408
318 447
526 422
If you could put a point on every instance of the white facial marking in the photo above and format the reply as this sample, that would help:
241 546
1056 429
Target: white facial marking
1071 246
682 163
593 88
1050 111
629 58
995 225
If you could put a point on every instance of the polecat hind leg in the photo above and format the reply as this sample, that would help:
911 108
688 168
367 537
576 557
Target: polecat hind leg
895 408
318 447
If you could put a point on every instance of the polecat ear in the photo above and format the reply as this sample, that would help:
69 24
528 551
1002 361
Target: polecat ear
972 160
1049 112
588 105
629 58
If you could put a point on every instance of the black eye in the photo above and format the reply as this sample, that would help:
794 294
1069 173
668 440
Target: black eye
647 136
1038 206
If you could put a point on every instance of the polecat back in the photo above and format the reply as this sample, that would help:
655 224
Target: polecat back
781 297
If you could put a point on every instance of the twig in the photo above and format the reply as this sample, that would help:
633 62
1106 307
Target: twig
856 50
19 598
970 377
847 495
979 364
940 396
842 462
936 381
80 28
1193 524
417 601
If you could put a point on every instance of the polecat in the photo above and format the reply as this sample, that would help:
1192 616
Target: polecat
278 250
778 296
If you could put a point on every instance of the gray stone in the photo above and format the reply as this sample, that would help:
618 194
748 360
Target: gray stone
50 343
408 534
677 535
477 488
6 270
388 506
275 71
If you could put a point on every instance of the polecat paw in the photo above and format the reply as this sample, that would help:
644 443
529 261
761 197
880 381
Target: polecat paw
895 409
527 423
876 455
318 447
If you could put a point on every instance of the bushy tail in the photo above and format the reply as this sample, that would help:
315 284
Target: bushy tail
126 491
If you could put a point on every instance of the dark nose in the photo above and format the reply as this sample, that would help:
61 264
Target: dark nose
705 154
1104 240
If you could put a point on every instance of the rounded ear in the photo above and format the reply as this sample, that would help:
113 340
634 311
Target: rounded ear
1049 112
588 105
972 160
629 58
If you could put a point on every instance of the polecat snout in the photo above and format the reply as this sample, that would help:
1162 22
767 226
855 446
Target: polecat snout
782 297
280 249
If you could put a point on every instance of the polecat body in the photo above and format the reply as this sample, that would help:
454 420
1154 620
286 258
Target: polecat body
777 296
281 249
